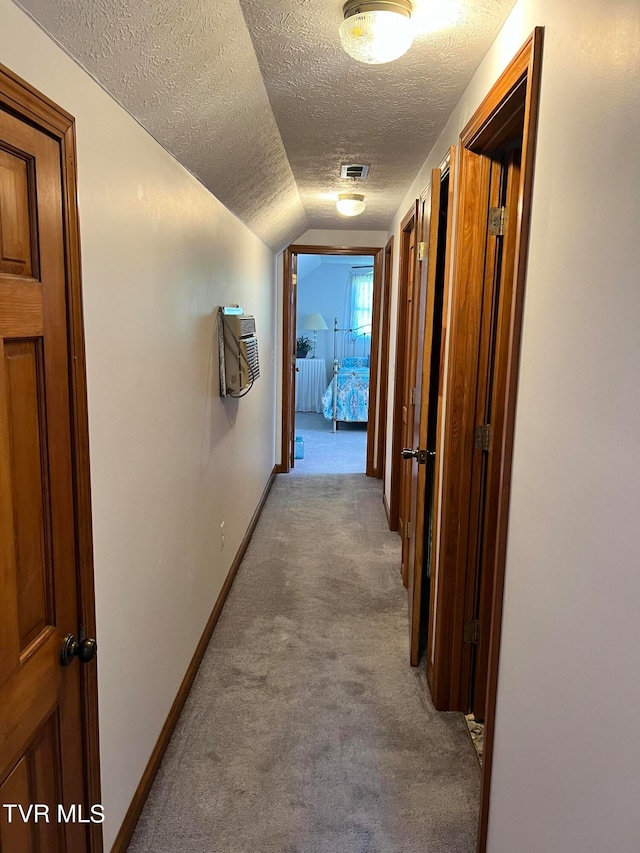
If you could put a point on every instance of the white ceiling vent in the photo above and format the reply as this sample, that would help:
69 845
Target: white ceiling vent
354 170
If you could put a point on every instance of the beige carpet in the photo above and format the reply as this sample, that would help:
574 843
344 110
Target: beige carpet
306 730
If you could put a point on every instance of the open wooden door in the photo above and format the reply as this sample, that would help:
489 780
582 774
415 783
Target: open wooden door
405 371
436 221
415 451
497 297
493 208
435 227
44 718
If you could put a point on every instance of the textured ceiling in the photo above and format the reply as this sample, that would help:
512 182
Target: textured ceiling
257 99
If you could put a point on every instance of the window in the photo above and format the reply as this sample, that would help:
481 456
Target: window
361 301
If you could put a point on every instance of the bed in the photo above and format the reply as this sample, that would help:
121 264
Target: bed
346 398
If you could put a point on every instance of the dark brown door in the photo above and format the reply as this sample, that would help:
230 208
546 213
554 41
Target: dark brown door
41 747
489 415
434 219
441 239
408 344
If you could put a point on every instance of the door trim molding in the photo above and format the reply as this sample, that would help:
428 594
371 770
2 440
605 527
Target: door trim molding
29 104
385 335
288 343
529 62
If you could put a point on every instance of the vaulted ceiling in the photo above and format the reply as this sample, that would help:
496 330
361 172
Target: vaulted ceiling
258 100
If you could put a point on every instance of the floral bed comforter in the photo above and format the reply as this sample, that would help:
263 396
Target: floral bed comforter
352 391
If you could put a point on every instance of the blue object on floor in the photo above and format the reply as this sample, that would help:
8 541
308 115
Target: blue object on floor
298 451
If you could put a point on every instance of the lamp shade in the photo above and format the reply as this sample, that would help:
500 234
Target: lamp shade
315 322
376 31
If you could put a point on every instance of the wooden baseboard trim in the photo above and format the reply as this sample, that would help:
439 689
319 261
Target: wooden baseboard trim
387 511
142 791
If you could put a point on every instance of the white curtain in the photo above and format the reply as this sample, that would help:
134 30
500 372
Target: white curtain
359 305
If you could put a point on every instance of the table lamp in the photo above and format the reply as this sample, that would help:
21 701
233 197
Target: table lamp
314 323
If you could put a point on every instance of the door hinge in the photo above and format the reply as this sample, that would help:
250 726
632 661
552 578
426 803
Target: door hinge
472 632
422 251
497 220
412 396
407 530
483 437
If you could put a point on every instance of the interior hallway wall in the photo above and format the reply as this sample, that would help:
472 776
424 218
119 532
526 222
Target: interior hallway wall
159 254
566 759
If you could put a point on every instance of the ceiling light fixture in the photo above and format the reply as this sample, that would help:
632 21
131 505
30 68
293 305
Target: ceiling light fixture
376 31
350 204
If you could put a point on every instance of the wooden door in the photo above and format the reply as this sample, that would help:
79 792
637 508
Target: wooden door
407 344
489 410
41 711
398 438
293 313
289 308
496 171
426 383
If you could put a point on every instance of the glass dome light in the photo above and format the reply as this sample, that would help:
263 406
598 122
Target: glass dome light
350 204
376 31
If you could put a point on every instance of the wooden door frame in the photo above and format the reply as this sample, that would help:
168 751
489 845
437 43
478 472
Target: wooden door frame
447 168
427 234
385 334
288 347
529 62
409 223
35 108
512 102
437 250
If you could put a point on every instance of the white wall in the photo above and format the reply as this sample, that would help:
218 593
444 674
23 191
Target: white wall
323 237
159 253
566 761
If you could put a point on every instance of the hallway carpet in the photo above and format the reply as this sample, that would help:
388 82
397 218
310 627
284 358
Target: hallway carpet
306 730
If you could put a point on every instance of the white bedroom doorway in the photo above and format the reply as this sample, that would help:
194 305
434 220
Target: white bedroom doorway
331 392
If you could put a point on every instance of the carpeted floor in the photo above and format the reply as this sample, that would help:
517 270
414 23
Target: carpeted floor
326 452
306 730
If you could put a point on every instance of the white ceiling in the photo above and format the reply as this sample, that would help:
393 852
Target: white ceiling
258 100
308 263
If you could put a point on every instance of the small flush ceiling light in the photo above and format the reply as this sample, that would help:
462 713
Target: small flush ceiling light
376 31
350 204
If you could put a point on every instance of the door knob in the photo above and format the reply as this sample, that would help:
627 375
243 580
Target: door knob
420 455
85 650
